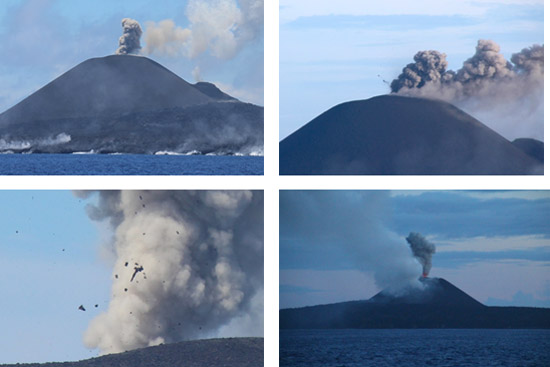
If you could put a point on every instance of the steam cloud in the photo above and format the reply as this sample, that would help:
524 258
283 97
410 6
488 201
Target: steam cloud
423 250
221 27
508 96
8 145
196 259
353 221
128 43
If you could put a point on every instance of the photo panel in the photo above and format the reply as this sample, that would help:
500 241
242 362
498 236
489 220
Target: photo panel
132 277
377 278
132 87
411 88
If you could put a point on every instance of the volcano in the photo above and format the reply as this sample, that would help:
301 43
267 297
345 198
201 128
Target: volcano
229 352
436 304
390 135
130 104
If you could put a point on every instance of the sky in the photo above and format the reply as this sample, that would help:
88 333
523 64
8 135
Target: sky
42 39
337 51
51 264
339 246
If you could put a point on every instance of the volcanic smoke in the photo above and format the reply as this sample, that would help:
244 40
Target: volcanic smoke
188 264
506 95
128 43
423 250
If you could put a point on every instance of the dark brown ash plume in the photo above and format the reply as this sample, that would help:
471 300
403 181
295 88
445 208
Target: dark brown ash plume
423 250
129 43
506 95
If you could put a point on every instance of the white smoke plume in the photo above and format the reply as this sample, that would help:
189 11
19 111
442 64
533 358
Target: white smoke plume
129 43
507 96
423 250
8 144
189 264
221 27
354 221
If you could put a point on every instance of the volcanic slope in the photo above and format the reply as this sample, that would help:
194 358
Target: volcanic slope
125 103
438 305
230 352
391 134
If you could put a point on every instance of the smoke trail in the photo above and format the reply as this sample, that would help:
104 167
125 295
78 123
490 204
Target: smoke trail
188 264
221 27
507 96
128 43
423 250
355 222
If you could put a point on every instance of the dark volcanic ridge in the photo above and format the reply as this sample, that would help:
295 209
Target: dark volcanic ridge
229 352
438 305
390 134
130 104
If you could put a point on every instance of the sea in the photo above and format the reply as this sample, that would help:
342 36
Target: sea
129 164
414 347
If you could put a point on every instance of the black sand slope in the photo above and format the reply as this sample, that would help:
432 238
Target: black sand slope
391 134
130 104
212 91
440 305
531 147
230 352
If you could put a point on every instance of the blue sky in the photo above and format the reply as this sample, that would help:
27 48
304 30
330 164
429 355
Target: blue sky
336 51
41 39
494 245
51 264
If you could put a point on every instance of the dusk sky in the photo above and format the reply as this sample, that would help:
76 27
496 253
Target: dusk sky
51 264
41 39
494 245
337 51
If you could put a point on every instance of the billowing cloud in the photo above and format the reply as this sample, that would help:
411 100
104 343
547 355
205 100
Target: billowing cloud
129 42
189 264
507 96
220 27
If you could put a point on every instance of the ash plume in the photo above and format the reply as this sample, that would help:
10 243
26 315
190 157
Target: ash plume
506 95
355 222
220 27
423 250
128 43
189 264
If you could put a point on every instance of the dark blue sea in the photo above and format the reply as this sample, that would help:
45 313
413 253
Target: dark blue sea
128 164
414 347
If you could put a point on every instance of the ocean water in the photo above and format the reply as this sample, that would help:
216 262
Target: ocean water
128 164
414 347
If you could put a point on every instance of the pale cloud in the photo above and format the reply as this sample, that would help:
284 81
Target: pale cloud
292 9
251 94
483 195
499 279
493 244
325 286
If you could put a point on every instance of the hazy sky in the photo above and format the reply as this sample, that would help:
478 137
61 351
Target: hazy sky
495 246
41 39
336 51
51 265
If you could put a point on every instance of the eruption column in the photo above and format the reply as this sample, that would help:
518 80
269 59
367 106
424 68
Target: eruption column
198 259
423 250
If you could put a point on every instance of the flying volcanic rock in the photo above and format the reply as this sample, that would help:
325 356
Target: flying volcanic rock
393 134
131 104
439 304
